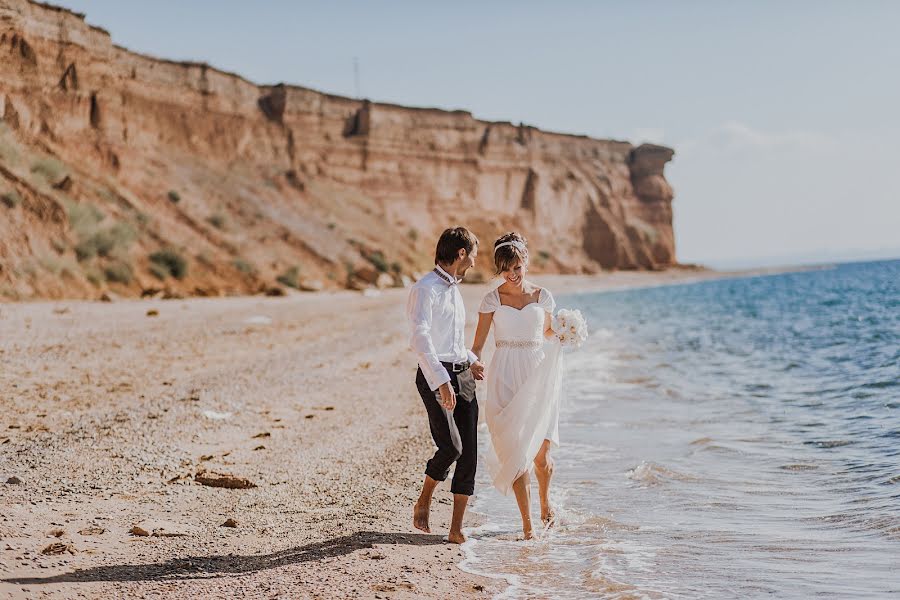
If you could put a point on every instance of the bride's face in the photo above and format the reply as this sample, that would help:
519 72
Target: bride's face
516 274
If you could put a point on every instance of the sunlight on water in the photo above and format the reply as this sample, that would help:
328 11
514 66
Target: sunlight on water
727 439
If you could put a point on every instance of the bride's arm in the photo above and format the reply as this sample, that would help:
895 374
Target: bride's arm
548 326
481 332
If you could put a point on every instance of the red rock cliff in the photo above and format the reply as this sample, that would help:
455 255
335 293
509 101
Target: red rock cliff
124 171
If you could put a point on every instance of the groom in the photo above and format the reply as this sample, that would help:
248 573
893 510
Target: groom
446 375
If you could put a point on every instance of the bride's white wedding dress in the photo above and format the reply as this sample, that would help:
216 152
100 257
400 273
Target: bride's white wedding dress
523 387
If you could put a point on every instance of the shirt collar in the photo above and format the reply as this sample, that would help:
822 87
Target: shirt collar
445 276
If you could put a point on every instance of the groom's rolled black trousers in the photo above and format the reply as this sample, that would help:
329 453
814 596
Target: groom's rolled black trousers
457 436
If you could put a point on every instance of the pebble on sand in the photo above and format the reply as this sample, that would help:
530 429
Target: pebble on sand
139 531
229 522
223 480
160 529
92 530
13 480
215 415
58 548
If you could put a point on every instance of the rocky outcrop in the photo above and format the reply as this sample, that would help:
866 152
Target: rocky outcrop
116 163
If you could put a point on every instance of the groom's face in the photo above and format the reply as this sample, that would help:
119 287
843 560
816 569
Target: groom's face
467 261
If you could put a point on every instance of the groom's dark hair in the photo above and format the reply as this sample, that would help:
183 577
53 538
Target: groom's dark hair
451 241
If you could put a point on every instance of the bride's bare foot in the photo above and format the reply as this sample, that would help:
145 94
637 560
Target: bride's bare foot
528 534
420 517
456 537
543 468
548 517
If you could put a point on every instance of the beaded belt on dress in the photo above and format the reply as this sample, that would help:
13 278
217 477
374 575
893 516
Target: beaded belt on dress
519 343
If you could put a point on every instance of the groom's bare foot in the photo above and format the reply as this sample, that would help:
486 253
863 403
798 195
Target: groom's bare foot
528 534
420 517
456 537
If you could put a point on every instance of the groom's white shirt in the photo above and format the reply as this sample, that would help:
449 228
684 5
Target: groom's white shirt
437 317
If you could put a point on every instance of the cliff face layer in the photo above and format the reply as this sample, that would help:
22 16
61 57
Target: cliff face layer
135 174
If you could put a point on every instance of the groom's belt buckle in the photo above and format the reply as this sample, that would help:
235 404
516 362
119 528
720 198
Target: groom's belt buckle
458 367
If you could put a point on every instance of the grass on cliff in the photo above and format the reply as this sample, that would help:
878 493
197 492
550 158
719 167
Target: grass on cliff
112 241
94 275
49 168
9 148
379 262
290 278
543 257
243 266
217 220
119 271
93 240
128 205
83 218
168 262
11 199
59 266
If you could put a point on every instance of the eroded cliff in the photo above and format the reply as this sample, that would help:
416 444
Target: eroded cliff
125 172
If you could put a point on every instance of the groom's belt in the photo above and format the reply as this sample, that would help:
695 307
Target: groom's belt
456 367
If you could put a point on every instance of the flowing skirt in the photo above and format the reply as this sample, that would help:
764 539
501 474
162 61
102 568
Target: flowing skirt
521 408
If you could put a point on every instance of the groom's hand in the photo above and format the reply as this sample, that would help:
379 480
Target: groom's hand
448 396
478 370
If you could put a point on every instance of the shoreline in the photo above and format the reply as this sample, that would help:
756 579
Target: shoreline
604 281
110 412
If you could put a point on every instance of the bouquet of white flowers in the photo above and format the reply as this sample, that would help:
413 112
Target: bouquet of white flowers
570 327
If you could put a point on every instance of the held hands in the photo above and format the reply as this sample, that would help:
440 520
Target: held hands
447 396
477 368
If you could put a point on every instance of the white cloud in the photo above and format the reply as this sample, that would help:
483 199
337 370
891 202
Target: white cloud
737 136
741 140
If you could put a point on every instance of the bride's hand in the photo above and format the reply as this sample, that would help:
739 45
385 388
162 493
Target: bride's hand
478 370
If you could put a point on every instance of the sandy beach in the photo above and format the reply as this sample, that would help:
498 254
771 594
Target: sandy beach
117 418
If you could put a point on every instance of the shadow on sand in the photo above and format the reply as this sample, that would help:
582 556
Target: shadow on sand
202 567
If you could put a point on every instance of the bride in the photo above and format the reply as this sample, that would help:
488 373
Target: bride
523 380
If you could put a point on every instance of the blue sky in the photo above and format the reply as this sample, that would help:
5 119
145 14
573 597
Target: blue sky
783 114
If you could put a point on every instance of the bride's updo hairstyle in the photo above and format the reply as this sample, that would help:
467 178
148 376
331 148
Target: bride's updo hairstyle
512 250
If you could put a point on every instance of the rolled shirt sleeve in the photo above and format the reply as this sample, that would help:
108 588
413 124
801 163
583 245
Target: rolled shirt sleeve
419 313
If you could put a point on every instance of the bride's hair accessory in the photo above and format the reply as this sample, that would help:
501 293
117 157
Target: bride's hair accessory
515 244
509 250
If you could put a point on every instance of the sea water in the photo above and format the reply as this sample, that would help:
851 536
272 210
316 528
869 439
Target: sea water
737 438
